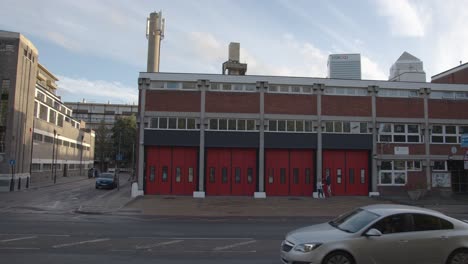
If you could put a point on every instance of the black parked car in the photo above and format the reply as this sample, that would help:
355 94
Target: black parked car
106 180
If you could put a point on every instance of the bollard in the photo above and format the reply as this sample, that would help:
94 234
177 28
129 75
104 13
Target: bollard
19 183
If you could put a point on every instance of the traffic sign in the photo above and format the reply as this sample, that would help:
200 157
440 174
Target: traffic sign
12 162
119 157
464 141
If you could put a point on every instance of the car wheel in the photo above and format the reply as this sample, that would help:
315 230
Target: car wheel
459 256
338 257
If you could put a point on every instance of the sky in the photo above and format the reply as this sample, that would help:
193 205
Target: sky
97 48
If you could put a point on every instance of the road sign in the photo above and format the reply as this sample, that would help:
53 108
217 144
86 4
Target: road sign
464 141
119 157
12 162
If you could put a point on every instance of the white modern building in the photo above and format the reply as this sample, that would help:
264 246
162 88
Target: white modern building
344 66
407 68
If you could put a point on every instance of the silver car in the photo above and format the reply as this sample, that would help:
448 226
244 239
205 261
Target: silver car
380 234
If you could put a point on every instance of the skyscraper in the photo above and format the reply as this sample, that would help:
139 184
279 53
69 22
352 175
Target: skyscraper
344 66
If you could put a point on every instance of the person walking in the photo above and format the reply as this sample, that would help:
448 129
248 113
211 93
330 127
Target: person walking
320 190
328 182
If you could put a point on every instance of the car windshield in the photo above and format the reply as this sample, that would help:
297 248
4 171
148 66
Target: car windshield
106 175
354 221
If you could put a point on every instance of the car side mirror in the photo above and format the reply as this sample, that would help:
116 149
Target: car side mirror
373 232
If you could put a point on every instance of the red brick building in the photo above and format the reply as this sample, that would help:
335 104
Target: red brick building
209 134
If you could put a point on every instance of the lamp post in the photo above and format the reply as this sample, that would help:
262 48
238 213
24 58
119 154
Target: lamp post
53 157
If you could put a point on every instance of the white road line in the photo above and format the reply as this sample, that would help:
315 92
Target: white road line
17 248
80 242
195 238
122 250
234 245
16 239
158 244
51 235
220 251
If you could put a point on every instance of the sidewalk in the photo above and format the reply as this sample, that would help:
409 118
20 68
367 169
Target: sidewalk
60 180
246 206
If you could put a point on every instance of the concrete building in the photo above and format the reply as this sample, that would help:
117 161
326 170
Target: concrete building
344 66
407 68
457 74
34 120
210 134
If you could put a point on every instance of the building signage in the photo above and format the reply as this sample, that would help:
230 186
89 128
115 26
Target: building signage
441 179
401 150
464 141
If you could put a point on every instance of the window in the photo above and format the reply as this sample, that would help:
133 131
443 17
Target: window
271 176
393 172
181 123
273 125
37 137
338 176
237 177
187 85
400 133
43 112
413 165
48 139
283 176
394 224
241 125
154 122
424 222
448 134
249 175
281 125
48 166
36 167
351 176
224 175
232 124
296 176
172 123
164 174
190 175
52 116
363 176
60 120
152 174
440 165
307 176
251 125
178 176
237 87
290 126
172 85
5 85
213 124
226 87
222 124
212 175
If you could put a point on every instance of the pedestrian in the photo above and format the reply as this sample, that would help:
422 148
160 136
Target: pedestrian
328 182
320 190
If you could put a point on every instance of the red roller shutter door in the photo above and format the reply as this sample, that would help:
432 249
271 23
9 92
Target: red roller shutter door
277 172
300 172
184 161
152 160
243 171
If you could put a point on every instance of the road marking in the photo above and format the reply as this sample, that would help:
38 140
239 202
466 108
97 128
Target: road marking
122 250
51 235
17 248
19 238
220 251
158 244
234 245
195 238
80 242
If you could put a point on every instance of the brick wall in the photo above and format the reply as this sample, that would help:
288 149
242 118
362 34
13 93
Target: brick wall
448 109
172 101
346 105
226 102
290 104
400 107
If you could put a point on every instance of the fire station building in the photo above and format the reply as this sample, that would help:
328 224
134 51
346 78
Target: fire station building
216 134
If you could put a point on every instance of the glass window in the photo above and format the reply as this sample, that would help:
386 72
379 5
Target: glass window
399 128
351 176
308 126
212 175
338 176
329 127
188 85
190 123
437 129
163 122
394 224
152 174
273 88
437 139
296 89
250 87
363 176
178 176
414 138
237 176
307 176
271 176
172 123
224 174
284 89
450 130
237 87
346 127
250 125
440 165
222 124
214 124
400 177
232 124
241 125
307 89
296 175
164 174
283 176
290 125
272 125
338 126
226 87
299 125
214 86
52 116
154 122
249 175
399 138
181 123
190 175
172 85
354 221
363 127
424 222
413 129
281 125
385 177
399 165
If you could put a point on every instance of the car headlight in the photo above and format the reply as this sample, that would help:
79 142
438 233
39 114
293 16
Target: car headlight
307 247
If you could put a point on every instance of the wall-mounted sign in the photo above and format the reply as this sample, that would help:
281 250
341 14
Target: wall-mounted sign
464 141
441 179
401 151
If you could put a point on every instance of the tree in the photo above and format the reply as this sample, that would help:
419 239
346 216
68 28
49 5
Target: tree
103 144
124 135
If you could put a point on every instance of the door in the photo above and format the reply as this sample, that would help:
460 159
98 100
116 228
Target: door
300 168
183 167
163 173
277 172
243 171
152 160
334 164
218 172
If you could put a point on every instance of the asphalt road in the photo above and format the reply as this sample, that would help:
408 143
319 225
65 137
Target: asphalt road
77 238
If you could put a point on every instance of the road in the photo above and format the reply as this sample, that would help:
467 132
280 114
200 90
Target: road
78 238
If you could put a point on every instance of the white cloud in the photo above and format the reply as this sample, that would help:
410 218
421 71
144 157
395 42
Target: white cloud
207 46
405 18
96 91
371 70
